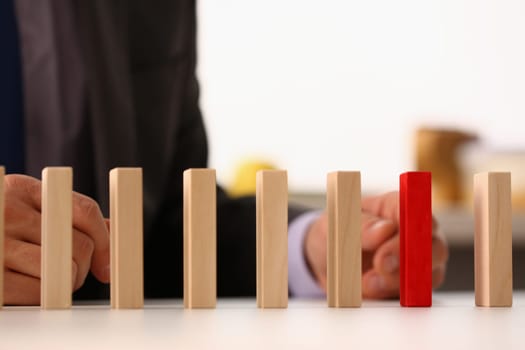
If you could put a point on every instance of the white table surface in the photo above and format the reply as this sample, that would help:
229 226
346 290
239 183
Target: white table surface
452 323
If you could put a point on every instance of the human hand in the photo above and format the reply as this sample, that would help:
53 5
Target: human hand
380 248
23 240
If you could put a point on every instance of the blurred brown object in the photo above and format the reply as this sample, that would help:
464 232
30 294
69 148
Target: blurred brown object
437 152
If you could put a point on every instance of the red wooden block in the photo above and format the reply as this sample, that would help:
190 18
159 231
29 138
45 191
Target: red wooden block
415 224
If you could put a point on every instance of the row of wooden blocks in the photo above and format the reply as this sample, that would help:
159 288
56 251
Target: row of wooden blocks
493 238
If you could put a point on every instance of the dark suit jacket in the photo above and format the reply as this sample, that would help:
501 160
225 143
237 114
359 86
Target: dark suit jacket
140 108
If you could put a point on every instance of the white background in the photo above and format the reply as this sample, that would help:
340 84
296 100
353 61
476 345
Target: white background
322 85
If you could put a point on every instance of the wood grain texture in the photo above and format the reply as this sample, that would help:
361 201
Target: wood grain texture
126 238
272 238
344 239
57 238
493 239
2 234
415 249
200 238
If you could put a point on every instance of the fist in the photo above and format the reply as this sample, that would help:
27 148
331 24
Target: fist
380 244
23 239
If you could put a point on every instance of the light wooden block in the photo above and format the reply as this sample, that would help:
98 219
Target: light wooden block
126 238
57 238
200 238
2 233
493 239
272 239
344 239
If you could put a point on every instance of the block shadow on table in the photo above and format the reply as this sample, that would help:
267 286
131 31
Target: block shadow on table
460 271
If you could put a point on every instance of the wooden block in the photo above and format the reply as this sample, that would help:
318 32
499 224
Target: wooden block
57 238
126 238
200 238
344 239
493 239
2 215
272 239
415 224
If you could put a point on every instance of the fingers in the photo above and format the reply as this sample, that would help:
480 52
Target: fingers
22 257
88 219
23 222
386 259
25 258
26 188
90 233
438 276
83 248
17 282
380 286
382 280
23 261
375 231
385 206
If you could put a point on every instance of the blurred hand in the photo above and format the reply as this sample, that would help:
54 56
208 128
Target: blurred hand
380 244
23 239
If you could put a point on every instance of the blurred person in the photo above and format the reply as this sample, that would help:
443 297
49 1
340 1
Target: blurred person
105 83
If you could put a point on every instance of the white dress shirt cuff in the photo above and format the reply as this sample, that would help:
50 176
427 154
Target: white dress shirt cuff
300 281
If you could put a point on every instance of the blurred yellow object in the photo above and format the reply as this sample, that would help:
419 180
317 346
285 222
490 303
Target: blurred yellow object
244 181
